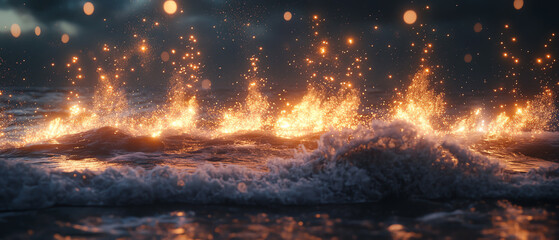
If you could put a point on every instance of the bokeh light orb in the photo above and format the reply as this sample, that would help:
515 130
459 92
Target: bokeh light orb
37 31
15 30
468 58
164 56
170 7
287 16
518 4
206 84
65 38
478 27
410 17
88 8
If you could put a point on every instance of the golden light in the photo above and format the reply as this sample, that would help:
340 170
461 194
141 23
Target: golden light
143 48
170 7
65 38
410 17
15 30
350 41
468 58
478 27
539 60
287 16
518 4
37 30
88 8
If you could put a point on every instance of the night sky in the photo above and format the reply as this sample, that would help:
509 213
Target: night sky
232 31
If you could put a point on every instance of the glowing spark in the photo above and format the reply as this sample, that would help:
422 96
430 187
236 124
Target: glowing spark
170 7
410 17
350 41
88 8
15 30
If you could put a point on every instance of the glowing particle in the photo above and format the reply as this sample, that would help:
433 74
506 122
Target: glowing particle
88 8
206 84
539 60
164 56
518 4
37 30
350 41
15 30
65 38
478 27
410 17
287 16
170 7
468 58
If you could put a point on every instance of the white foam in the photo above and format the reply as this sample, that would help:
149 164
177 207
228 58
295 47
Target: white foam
387 160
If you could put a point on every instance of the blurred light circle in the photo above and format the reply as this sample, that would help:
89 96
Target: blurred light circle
468 58
170 7
15 30
65 38
287 16
518 4
410 17
88 8
164 56
37 30
478 27
206 84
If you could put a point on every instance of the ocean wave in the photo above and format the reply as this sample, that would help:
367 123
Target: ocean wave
384 161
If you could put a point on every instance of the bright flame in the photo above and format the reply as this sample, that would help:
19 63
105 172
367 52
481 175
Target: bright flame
317 113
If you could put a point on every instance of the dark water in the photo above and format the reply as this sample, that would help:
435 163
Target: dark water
381 180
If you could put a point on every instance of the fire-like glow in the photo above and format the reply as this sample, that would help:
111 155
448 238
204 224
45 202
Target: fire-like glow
333 99
317 113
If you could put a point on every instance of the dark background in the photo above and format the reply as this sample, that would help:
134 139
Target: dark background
226 40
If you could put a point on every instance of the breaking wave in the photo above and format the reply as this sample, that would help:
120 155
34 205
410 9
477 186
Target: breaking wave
385 161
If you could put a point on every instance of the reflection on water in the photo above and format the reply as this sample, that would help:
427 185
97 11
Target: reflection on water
397 220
